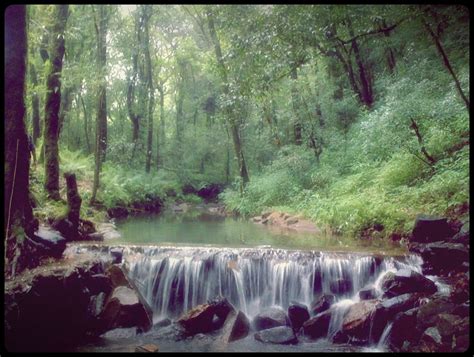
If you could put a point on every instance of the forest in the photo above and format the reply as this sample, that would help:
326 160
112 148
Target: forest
353 118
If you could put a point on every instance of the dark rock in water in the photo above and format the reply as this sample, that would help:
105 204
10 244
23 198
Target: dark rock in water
236 327
99 283
460 289
278 335
404 329
387 310
446 325
357 321
117 276
442 257
206 317
298 314
124 309
462 236
406 281
462 310
340 286
322 304
367 293
150 347
270 317
317 326
430 229
117 254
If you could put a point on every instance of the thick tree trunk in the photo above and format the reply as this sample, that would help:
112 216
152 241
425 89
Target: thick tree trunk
230 114
73 200
66 101
17 207
101 122
53 101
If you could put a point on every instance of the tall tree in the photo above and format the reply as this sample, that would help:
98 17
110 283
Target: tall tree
17 207
147 11
53 101
101 121
230 112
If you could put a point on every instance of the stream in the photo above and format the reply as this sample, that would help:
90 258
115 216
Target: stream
180 261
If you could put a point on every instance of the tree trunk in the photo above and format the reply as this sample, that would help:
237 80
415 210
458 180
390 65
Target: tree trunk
447 64
17 206
53 101
35 105
66 101
161 132
86 125
391 62
296 108
366 86
73 200
101 122
230 115
149 79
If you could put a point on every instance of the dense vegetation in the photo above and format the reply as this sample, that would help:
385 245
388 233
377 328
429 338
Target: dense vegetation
350 115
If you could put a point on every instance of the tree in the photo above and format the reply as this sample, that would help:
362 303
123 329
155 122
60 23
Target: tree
231 115
101 121
53 101
19 221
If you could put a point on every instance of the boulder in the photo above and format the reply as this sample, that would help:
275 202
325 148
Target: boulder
429 312
463 235
430 229
282 335
317 326
367 293
210 192
52 242
406 281
431 341
270 317
124 309
298 314
206 317
357 321
323 303
236 327
404 330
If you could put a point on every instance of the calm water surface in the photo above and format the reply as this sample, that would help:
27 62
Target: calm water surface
200 228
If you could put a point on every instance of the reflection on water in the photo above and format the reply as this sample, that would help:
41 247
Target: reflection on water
201 228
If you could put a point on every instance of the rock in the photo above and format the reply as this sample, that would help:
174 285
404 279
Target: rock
430 229
462 310
367 293
429 312
120 333
124 309
270 317
236 327
298 314
162 323
431 340
386 311
99 283
97 303
117 254
257 219
210 192
357 320
96 236
317 326
150 347
292 221
404 329
446 325
462 236
340 286
266 214
282 335
323 303
117 276
200 319
406 281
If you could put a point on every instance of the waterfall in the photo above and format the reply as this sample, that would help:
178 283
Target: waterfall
175 279
382 344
